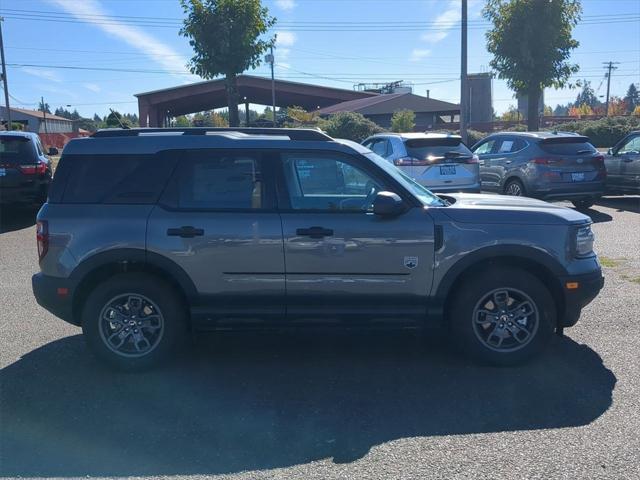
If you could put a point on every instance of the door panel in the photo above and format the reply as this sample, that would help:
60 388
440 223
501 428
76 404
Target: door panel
341 259
216 221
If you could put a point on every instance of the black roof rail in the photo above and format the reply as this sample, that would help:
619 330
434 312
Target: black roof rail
304 134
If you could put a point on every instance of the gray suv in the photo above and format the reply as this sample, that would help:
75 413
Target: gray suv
546 165
149 234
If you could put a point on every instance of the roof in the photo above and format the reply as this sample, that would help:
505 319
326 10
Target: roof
211 94
39 114
410 135
390 103
540 135
16 133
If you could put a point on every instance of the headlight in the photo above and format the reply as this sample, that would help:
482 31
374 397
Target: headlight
584 241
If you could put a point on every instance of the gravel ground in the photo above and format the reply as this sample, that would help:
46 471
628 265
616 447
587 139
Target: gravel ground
325 406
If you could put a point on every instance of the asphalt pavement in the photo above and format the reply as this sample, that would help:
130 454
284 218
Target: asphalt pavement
320 406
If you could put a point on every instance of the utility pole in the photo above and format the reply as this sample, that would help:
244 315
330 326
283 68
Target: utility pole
610 67
273 88
464 88
44 114
4 78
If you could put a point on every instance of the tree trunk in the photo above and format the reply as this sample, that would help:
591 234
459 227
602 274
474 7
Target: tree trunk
233 98
533 114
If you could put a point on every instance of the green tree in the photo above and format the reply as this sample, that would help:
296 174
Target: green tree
531 44
116 120
632 98
511 115
403 121
587 96
226 39
182 121
349 125
44 107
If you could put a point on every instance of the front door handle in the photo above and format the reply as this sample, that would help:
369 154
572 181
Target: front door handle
314 232
185 232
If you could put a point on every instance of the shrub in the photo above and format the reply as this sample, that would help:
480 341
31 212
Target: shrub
349 125
604 132
403 121
474 136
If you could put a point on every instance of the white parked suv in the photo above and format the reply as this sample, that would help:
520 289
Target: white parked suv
439 161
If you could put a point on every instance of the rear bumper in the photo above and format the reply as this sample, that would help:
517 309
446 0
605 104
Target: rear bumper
23 194
575 299
49 293
568 191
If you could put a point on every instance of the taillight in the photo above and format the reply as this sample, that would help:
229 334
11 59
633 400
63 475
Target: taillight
473 159
404 161
598 161
35 169
42 238
542 161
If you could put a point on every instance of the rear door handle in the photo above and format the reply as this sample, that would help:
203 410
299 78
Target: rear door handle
314 232
185 232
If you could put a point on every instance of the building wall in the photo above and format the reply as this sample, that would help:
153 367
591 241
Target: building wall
35 124
480 98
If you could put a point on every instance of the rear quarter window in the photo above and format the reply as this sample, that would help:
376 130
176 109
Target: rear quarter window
111 179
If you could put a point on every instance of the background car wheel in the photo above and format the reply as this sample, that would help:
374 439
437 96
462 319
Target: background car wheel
133 321
502 316
514 188
583 204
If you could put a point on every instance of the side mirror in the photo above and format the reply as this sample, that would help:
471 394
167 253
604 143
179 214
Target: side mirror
388 204
53 151
610 151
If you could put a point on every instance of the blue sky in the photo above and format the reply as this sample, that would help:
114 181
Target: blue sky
424 50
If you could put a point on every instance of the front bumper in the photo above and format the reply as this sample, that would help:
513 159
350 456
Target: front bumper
55 295
575 299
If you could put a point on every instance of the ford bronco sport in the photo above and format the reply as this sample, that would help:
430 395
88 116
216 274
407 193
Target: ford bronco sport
151 233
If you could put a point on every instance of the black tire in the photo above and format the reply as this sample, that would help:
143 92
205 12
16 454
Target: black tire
584 204
155 294
468 333
514 187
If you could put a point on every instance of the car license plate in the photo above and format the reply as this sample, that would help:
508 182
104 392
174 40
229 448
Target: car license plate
3 172
447 170
577 177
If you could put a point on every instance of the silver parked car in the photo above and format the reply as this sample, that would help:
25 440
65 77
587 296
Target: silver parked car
545 165
623 165
439 161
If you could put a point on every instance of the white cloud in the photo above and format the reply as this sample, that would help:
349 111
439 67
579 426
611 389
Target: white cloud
443 23
286 4
44 73
419 54
285 39
93 12
92 86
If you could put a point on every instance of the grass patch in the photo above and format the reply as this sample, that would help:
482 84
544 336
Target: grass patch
608 262
632 279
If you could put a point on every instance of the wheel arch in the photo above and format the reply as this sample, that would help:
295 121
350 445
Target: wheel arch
547 269
103 265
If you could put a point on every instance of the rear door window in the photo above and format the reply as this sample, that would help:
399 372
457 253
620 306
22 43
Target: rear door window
568 146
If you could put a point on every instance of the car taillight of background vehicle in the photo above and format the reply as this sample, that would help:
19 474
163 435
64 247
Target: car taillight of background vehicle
35 169
42 238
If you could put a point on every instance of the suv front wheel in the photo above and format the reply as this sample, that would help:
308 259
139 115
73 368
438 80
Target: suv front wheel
502 316
133 321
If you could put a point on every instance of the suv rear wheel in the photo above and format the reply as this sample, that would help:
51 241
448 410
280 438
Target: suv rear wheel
502 316
515 188
133 321
584 204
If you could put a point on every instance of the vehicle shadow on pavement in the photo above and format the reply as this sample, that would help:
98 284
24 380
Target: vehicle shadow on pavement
597 216
16 218
262 401
628 203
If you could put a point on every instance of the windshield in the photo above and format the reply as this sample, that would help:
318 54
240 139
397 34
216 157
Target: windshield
422 193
